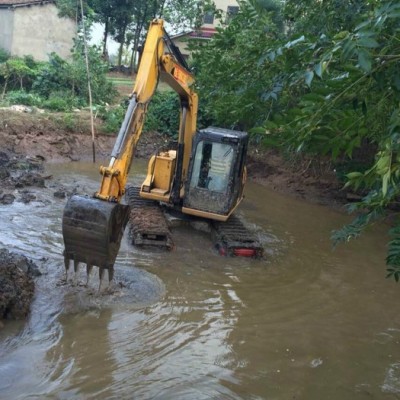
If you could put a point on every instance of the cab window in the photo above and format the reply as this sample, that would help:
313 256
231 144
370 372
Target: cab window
212 166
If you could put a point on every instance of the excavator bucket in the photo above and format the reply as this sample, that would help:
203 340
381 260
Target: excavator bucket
92 231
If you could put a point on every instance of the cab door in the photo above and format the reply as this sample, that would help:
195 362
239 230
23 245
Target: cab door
215 174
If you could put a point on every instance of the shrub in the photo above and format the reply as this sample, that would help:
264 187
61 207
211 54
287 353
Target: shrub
57 103
53 76
23 97
69 121
15 72
4 55
163 114
71 77
112 118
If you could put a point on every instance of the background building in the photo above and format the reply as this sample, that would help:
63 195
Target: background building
208 28
33 27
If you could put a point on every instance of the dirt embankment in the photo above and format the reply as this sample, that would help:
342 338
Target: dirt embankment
314 181
48 137
55 138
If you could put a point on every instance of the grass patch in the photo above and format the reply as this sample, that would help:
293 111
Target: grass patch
121 81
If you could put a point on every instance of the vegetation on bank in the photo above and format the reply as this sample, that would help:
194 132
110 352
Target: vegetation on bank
61 86
58 84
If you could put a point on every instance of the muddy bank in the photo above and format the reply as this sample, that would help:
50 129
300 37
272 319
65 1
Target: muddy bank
17 275
54 138
314 181
18 174
49 137
28 140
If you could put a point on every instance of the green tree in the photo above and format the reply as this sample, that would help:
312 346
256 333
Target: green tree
68 79
327 84
17 71
71 9
104 11
121 20
229 69
325 17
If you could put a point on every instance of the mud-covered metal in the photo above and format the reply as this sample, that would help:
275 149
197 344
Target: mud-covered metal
233 237
147 224
92 231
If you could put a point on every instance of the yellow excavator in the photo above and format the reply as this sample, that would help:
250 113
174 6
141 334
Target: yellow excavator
203 176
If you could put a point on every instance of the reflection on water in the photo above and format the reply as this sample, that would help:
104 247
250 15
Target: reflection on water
305 323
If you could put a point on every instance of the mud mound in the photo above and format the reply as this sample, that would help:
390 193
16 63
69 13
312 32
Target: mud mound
60 137
17 172
16 285
133 287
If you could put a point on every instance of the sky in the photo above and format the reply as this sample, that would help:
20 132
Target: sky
112 46
97 37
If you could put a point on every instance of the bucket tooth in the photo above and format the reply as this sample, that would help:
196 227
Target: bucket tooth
89 268
67 264
110 274
76 266
101 277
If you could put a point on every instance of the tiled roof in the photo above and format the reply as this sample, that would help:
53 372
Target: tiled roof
19 3
202 33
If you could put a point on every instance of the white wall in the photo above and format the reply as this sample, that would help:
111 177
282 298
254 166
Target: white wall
38 31
221 5
6 30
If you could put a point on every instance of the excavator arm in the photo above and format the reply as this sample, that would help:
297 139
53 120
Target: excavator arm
93 226
154 65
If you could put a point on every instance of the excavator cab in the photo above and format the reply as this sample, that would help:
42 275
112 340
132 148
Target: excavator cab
216 174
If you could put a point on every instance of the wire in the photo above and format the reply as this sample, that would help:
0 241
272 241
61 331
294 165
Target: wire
89 86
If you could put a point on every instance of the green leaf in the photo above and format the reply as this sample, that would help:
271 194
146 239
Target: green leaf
364 60
368 42
364 108
269 125
385 182
341 35
292 43
363 24
318 69
354 175
309 76
317 98
257 130
383 164
348 49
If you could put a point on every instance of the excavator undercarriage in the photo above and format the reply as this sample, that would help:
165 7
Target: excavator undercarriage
149 228
147 223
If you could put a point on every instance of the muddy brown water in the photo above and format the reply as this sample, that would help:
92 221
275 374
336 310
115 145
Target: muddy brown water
305 323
